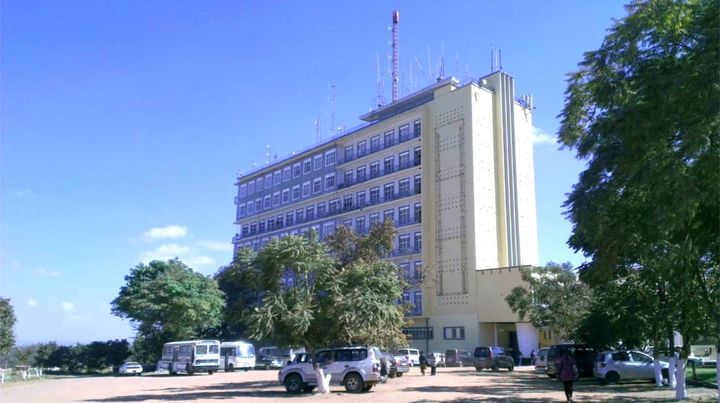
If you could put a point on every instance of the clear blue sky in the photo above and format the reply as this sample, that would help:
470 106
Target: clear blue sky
125 122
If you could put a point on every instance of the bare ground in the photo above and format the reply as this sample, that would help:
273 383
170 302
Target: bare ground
450 384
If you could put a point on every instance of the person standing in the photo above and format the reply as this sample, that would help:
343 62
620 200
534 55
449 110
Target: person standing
532 357
567 373
423 362
433 363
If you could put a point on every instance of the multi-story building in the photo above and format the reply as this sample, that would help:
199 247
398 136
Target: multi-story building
452 166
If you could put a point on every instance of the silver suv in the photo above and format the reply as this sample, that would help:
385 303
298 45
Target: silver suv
356 368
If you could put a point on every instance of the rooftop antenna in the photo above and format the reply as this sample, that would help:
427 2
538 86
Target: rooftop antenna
441 74
267 153
317 129
492 59
396 23
380 89
417 63
332 108
500 59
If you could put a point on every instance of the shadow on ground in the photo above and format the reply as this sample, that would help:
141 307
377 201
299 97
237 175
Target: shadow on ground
230 390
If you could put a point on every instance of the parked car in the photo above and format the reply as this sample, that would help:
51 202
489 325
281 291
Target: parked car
356 368
437 358
613 366
388 364
403 365
541 359
264 361
130 368
458 357
492 358
703 355
412 354
584 357
285 354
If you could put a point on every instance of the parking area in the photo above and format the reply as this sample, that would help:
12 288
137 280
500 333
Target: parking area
450 384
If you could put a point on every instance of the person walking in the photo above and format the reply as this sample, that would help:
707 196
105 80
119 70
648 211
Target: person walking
532 357
433 363
567 373
423 362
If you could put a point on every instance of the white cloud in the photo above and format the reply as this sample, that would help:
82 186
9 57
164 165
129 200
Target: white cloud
32 303
200 261
48 273
216 246
68 306
540 136
188 255
168 232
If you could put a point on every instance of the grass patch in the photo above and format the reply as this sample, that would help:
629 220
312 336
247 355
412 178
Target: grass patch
702 374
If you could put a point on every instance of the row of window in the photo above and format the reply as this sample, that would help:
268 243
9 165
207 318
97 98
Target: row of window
287 173
376 143
268 202
415 304
372 170
426 333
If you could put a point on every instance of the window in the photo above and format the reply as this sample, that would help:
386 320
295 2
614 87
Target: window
276 199
253 228
328 229
453 333
243 190
389 138
266 202
310 213
360 198
360 173
306 189
389 191
405 270
374 169
347 224
419 333
404 243
416 128
389 215
258 204
241 210
245 230
299 216
268 181
404 133
317 185
250 207
404 160
296 192
286 195
321 209
374 195
361 148
389 165
280 220
333 206
404 187
317 162
374 218
286 174
348 178
329 158
375 143
347 202
277 177
417 271
349 153
418 242
296 170
404 215
289 219
360 225
251 187
329 181
261 226
417 305
417 155
307 166
417 184
418 212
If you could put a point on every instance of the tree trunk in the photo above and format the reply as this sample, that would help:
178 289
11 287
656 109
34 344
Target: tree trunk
717 371
671 372
680 390
658 372
323 381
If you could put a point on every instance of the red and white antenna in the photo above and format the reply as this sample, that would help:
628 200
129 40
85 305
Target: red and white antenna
396 23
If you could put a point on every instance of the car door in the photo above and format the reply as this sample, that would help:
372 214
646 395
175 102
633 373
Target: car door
622 364
643 367
337 367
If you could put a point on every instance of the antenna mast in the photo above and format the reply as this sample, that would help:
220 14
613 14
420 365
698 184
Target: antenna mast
396 23
317 129
380 89
332 108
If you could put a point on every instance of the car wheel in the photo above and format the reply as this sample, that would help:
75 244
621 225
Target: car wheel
293 383
612 377
511 368
551 376
354 383
211 372
478 369
170 370
399 374
495 368
188 369
231 368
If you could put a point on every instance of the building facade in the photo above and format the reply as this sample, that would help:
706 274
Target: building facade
452 166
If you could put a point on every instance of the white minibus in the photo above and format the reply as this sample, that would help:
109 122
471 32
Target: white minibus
190 356
236 355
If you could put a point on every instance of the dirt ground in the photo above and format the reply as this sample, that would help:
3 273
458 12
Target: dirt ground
450 384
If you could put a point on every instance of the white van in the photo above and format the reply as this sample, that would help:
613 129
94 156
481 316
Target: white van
236 355
412 355
190 356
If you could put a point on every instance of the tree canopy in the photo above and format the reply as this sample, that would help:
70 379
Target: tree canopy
168 301
7 322
644 111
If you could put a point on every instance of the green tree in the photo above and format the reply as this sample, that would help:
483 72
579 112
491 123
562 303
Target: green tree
554 298
241 285
168 300
644 111
7 322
